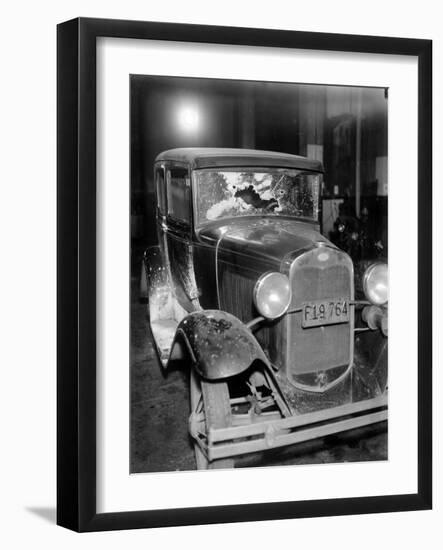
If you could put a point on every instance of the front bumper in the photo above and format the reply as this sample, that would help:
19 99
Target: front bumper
271 434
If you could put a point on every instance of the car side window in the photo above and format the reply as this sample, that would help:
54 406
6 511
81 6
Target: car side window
160 189
179 194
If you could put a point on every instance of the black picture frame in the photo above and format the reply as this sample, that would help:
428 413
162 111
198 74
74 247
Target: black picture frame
76 265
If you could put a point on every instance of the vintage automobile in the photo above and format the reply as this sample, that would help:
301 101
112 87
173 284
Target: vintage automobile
285 343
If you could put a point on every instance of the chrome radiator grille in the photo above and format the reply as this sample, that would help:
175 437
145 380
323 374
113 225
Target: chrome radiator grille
320 274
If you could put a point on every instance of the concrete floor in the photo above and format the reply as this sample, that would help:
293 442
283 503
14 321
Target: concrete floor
160 410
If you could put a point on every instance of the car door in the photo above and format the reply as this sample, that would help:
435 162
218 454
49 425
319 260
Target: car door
160 191
178 235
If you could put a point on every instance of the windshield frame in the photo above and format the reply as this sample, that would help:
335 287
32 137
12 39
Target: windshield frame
198 224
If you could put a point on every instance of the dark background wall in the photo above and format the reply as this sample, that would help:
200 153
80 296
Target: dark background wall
345 127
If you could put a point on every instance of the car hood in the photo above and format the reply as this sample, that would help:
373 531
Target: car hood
271 238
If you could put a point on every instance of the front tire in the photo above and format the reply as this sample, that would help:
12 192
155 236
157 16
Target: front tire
212 400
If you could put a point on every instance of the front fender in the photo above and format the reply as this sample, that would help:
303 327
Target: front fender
220 345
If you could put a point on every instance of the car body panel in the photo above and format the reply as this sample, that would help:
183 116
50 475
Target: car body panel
219 343
208 157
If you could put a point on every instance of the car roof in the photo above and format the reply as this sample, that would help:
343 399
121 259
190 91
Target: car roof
212 157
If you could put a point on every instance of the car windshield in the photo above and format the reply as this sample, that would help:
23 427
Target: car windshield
256 192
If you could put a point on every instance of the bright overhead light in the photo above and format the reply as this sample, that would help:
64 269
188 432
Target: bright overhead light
188 119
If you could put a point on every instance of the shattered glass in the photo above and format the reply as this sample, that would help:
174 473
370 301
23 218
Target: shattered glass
249 192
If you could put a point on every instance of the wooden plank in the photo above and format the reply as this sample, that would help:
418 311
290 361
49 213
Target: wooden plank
296 421
276 440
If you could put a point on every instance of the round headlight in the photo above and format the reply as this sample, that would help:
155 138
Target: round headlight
272 295
375 284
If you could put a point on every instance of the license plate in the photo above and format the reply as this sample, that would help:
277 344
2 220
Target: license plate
325 312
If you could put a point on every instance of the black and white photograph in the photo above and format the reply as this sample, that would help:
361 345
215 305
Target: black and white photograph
259 274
